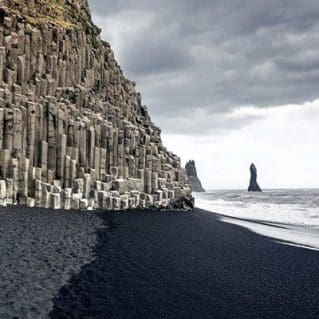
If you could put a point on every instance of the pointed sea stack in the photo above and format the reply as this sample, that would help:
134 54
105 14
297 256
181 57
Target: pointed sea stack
253 185
73 130
191 172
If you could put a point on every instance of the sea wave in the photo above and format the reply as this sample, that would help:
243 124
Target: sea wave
295 211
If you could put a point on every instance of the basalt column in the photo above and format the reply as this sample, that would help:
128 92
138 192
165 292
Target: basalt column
73 130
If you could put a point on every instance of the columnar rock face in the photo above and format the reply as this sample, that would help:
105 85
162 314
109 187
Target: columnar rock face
73 130
253 185
195 182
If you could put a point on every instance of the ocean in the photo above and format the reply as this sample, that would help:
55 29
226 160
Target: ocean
290 216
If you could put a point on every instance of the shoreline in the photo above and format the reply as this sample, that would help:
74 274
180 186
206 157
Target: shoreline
288 217
155 265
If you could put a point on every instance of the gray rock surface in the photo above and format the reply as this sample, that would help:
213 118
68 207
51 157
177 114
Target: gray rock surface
253 185
73 129
195 182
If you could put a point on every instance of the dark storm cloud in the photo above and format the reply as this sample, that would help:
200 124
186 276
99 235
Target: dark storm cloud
214 56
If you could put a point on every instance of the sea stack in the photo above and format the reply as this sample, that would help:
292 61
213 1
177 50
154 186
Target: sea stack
195 182
253 185
73 130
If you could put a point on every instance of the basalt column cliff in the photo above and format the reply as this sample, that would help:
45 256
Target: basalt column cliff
73 131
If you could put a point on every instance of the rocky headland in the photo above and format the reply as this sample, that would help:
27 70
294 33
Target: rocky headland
194 181
73 130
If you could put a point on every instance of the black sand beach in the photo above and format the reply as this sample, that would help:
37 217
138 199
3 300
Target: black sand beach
190 265
167 265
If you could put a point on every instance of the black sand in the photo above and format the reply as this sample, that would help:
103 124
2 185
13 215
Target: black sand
39 251
190 265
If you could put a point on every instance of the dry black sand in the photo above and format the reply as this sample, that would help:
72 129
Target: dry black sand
39 251
149 265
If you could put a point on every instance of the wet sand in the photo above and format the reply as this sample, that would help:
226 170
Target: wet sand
190 265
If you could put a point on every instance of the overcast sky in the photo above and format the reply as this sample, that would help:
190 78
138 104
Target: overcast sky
229 82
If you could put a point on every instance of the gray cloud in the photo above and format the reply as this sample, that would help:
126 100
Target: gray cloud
214 55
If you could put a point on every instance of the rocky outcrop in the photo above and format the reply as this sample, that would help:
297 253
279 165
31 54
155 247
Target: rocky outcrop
191 172
253 185
73 130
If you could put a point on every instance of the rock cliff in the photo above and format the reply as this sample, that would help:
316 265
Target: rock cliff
73 130
253 185
191 172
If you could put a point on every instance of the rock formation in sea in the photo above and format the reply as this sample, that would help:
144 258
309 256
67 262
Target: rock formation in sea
194 181
253 185
73 130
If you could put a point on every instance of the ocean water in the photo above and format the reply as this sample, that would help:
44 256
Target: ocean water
286 215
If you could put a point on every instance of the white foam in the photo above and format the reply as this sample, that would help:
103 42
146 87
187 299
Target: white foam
290 235
296 224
